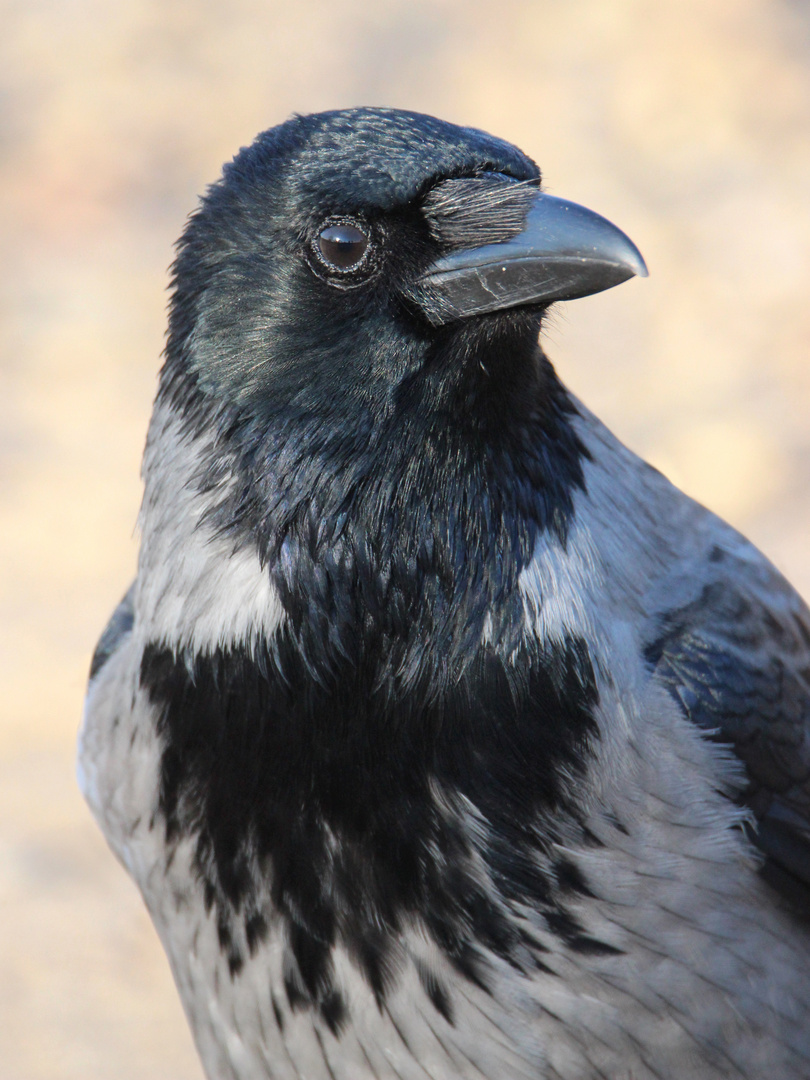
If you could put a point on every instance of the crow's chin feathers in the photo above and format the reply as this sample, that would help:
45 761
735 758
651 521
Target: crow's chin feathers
411 523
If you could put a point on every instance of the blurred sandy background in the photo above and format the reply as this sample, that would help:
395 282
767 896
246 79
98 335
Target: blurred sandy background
686 122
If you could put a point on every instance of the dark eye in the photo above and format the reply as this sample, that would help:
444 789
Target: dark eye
342 246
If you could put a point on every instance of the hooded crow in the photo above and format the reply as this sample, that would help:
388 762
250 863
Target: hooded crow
443 736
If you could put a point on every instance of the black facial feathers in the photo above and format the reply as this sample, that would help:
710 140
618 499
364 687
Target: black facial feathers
248 315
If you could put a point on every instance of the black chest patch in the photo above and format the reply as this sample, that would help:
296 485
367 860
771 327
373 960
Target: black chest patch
349 812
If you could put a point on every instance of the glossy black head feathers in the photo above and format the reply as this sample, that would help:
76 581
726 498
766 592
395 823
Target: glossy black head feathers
265 321
392 472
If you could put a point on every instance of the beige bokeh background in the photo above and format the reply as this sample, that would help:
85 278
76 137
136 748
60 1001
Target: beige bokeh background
686 122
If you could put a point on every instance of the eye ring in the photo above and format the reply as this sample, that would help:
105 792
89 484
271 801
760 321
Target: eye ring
343 250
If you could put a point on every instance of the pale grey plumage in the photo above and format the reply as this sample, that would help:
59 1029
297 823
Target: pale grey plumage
712 978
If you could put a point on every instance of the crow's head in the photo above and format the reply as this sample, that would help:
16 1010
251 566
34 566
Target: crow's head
355 327
350 260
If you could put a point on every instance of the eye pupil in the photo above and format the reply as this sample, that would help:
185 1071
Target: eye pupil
342 246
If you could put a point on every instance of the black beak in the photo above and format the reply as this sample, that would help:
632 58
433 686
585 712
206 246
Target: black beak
563 252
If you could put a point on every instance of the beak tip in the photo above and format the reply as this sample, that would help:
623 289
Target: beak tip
632 258
641 268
